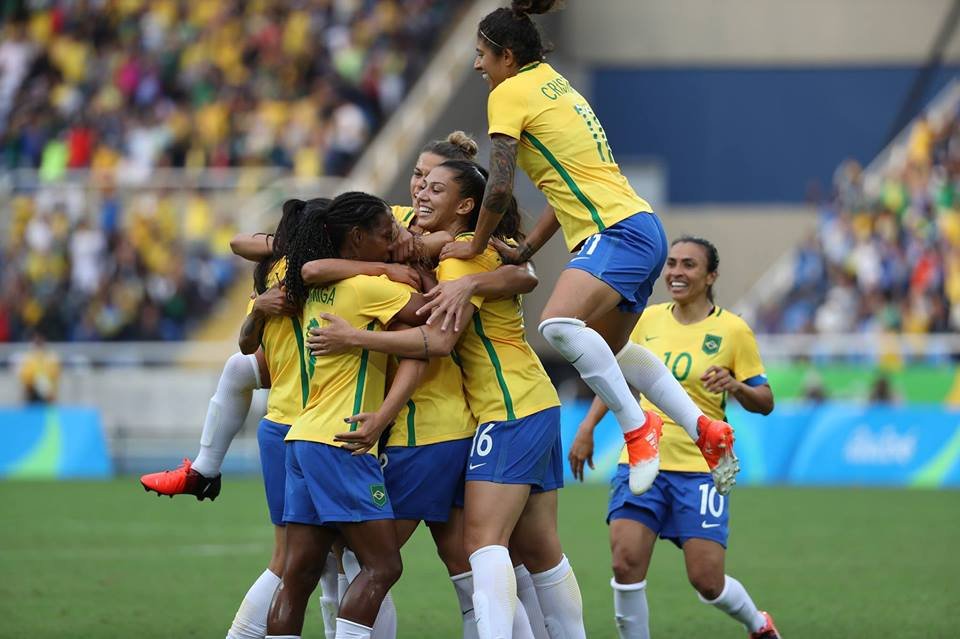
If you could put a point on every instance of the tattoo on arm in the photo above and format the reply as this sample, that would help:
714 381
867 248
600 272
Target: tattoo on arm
503 166
252 328
426 346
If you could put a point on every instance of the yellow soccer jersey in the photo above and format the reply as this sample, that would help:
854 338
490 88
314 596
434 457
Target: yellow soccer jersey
405 215
722 339
352 382
563 150
282 344
437 411
503 378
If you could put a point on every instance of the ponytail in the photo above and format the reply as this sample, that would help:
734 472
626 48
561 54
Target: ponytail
513 29
284 234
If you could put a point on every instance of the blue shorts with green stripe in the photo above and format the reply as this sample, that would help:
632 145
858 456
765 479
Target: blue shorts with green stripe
628 257
425 482
327 485
520 451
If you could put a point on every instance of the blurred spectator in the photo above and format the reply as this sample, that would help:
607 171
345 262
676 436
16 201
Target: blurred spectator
882 392
39 373
148 83
888 261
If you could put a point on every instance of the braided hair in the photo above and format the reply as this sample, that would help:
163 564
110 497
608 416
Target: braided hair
286 230
325 226
513 29
471 178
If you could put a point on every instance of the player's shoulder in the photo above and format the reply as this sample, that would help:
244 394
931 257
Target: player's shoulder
403 214
731 322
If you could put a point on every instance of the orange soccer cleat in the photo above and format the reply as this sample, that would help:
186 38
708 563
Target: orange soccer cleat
182 481
643 450
716 444
769 631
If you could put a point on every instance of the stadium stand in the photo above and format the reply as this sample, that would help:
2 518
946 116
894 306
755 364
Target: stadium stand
131 131
886 258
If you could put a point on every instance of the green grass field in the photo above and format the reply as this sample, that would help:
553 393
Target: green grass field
108 560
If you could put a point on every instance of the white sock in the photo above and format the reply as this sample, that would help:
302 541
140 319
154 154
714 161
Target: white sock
521 623
494 592
527 594
463 585
588 352
250 622
630 610
735 601
645 372
560 600
350 630
329 599
226 412
385 626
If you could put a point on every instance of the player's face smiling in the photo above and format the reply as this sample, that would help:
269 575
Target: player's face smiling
492 67
424 165
439 207
686 274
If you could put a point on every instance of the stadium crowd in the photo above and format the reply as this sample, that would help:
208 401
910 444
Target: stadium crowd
209 83
883 262
125 88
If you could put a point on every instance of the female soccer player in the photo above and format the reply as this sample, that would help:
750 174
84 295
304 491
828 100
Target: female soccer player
712 353
332 484
513 472
538 119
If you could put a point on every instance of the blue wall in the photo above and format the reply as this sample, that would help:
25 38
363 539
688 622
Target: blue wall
751 135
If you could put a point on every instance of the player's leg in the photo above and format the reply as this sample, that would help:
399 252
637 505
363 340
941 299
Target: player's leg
385 625
535 538
250 621
527 594
490 514
329 597
635 521
448 537
226 412
375 545
307 548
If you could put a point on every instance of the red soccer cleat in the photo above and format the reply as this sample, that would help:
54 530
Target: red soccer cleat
769 631
643 450
716 444
182 481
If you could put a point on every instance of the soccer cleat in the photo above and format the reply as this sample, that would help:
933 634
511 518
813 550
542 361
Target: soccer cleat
769 631
643 450
716 444
182 481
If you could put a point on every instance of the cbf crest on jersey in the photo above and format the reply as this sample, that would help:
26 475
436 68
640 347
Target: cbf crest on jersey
711 344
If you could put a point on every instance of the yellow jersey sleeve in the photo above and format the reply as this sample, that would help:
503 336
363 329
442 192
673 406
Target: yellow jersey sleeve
507 110
746 356
351 382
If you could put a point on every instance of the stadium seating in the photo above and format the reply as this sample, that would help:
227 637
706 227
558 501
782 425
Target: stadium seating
883 261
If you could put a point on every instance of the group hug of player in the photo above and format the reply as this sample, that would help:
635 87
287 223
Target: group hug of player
402 388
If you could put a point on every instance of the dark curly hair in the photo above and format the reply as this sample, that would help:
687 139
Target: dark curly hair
513 29
471 178
286 231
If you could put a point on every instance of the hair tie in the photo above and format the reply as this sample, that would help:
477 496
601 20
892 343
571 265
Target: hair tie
491 40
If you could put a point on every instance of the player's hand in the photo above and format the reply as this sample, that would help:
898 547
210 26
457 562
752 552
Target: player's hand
273 301
367 434
457 251
404 247
581 450
508 254
447 301
719 380
334 338
403 274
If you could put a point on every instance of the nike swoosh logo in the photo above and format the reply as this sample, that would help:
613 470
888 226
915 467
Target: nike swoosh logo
473 466
650 339
704 524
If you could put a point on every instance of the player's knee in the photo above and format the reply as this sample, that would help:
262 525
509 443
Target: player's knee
628 567
385 571
561 333
709 585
